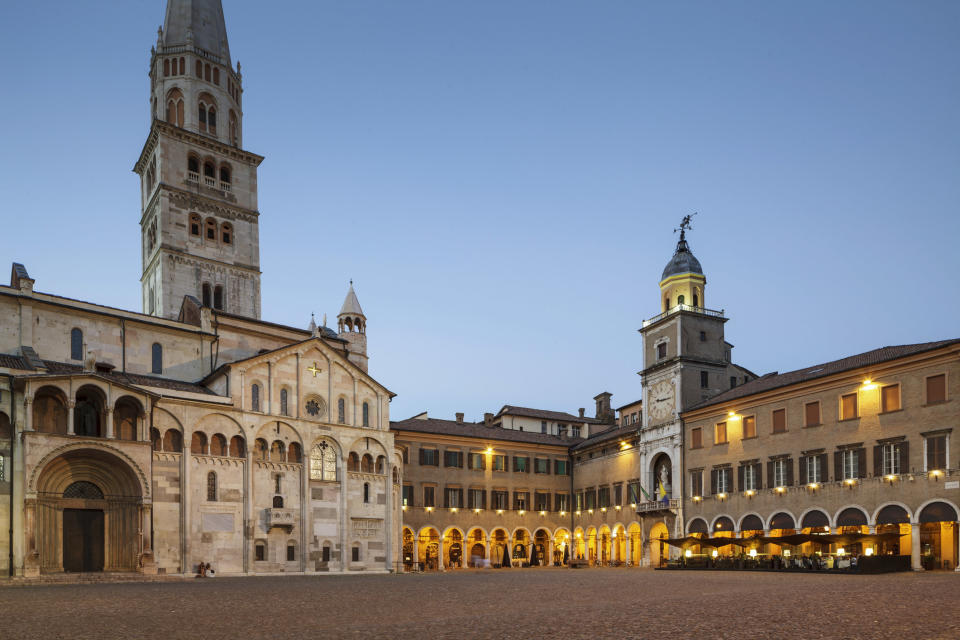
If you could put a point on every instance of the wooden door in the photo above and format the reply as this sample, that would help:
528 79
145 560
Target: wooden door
82 540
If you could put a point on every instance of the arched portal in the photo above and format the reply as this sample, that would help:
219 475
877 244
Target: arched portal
476 547
453 549
658 553
661 480
429 548
619 543
498 541
89 504
562 551
540 554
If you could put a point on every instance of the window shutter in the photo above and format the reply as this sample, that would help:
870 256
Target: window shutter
803 469
460 459
878 461
460 497
770 473
822 476
740 486
862 462
713 482
483 461
483 499
556 467
446 498
904 457
789 472
529 460
547 470
837 465
421 457
470 461
758 474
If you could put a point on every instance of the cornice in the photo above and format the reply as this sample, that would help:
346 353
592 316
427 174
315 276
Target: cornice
160 127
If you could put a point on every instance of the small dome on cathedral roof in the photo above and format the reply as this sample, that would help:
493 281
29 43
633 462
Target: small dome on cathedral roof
683 261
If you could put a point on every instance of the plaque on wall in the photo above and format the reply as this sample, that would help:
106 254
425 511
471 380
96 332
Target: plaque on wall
367 527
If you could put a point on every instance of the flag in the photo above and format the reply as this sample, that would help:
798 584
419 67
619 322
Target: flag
645 494
661 491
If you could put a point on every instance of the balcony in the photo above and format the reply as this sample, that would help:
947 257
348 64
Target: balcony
659 506
210 182
193 176
684 307
281 518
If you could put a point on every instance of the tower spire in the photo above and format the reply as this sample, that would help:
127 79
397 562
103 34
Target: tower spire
198 23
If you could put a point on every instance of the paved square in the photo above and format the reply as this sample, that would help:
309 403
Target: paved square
523 603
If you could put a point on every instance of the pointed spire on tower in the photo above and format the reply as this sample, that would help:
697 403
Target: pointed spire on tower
351 306
198 23
313 325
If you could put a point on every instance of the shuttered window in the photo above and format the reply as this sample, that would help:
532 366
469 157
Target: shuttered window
696 438
453 459
477 499
937 452
720 433
428 496
848 406
890 398
937 388
541 465
696 483
429 457
811 414
561 502
780 420
477 461
750 427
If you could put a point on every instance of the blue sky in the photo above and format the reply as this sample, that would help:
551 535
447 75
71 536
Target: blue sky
501 179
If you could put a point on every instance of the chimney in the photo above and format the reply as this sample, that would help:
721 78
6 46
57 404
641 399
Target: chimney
488 419
459 418
582 411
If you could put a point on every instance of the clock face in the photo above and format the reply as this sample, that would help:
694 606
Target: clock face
662 398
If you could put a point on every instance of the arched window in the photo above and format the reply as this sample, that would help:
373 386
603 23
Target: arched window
255 397
212 120
278 502
195 222
183 66
156 442
175 107
260 449
293 453
198 443
680 299
353 462
225 174
218 445
212 487
216 76
238 447
49 411
283 402
209 171
199 69
323 462
211 227
232 121
87 413
203 117
277 451
125 417
193 166
157 353
172 441
166 68
218 297
76 344
226 233
366 414
366 463
696 300
366 492
206 72
341 411
381 465
207 299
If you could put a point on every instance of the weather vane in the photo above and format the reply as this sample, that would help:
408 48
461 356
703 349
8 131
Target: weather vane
685 225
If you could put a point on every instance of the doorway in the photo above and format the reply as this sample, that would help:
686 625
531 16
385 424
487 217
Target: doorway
82 540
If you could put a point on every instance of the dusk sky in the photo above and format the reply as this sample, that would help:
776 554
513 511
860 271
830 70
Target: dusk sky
501 180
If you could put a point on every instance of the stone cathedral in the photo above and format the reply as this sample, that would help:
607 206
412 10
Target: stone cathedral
193 431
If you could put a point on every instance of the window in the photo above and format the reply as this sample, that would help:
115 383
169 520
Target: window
721 480
477 461
851 466
680 299
2 470
521 464
720 433
696 438
661 351
779 471
76 344
604 496
283 402
541 501
561 502
704 380
590 497
814 472
703 336
733 381
453 459
618 494
205 296
750 427
892 461
453 497
696 484
750 477
255 397
355 554
500 500
848 406
291 553
890 398
366 414
633 492
541 465
323 462
157 353
278 502
561 467
226 231
780 420
366 493
326 553
211 225
428 496
225 174
260 554
203 117
211 487
811 414
499 463
937 389
199 69
477 499
521 500
576 431
407 495
216 81
341 411
218 297
430 457
936 452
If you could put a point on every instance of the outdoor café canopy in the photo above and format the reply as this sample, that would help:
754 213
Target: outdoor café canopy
792 540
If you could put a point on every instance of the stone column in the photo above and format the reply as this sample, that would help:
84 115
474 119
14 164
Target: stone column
440 553
343 511
109 423
70 405
629 547
249 520
31 567
27 412
915 563
306 522
388 519
185 502
147 564
416 551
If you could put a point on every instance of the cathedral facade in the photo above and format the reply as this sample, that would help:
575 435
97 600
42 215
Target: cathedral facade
193 431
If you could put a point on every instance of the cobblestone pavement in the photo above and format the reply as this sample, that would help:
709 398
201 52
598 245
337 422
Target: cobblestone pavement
506 603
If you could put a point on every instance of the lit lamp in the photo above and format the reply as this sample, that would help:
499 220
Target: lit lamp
840 551
753 553
688 553
868 551
715 553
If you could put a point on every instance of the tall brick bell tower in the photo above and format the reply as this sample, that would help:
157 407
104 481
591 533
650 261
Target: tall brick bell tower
199 221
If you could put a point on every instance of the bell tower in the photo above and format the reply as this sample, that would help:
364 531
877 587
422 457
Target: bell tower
352 327
199 218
